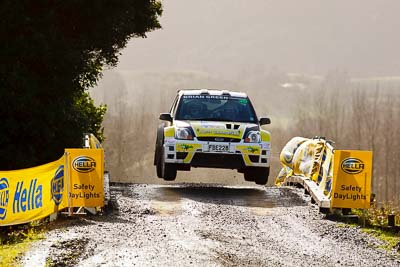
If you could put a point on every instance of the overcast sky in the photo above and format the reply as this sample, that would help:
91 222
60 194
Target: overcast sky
303 36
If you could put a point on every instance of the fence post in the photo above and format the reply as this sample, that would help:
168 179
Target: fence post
68 178
391 220
365 194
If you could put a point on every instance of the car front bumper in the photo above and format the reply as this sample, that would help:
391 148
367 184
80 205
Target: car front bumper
197 154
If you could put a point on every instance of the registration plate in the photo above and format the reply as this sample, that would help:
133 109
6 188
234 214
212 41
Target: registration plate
218 148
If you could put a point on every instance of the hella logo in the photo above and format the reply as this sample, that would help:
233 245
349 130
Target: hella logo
352 166
57 185
4 196
84 164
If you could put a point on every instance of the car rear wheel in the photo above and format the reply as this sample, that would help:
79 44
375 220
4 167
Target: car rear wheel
258 175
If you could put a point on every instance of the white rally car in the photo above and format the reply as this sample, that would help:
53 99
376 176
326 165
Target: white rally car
215 129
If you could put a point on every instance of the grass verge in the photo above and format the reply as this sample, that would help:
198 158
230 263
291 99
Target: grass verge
391 238
376 221
15 241
376 224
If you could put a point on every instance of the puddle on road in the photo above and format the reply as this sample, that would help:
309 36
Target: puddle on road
167 199
260 211
166 208
255 198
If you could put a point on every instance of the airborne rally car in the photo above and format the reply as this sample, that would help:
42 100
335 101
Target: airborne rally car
214 129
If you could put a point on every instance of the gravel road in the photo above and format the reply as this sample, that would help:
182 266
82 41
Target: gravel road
207 225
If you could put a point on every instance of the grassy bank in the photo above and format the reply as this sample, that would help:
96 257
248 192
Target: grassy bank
376 222
15 241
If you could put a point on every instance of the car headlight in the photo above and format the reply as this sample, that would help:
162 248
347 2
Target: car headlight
253 137
183 133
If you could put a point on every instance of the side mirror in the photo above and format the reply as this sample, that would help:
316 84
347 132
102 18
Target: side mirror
166 117
264 120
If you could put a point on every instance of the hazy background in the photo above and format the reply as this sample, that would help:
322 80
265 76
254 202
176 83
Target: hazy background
235 39
315 67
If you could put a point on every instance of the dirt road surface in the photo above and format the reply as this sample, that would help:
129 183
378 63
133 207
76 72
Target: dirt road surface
207 225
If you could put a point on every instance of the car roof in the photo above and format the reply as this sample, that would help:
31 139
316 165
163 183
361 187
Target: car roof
211 92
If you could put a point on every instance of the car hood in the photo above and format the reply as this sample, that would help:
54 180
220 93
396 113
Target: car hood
217 128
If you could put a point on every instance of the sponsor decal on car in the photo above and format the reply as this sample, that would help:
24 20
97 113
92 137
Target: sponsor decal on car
253 149
212 126
218 132
220 97
170 141
185 146
265 145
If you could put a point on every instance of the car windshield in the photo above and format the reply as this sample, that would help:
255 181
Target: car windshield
215 108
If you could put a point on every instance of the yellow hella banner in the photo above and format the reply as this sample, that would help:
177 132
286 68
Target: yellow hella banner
86 185
75 180
31 194
352 179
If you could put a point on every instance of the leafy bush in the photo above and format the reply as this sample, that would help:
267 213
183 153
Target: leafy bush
51 52
378 216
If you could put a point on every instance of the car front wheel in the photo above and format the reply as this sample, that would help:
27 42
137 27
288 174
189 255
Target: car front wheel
168 170
248 176
258 175
158 151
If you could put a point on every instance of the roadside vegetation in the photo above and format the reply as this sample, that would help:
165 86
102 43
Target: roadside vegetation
375 222
15 241
378 216
52 53
390 237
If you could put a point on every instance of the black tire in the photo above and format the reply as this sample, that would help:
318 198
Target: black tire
168 170
248 176
258 175
159 167
158 151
